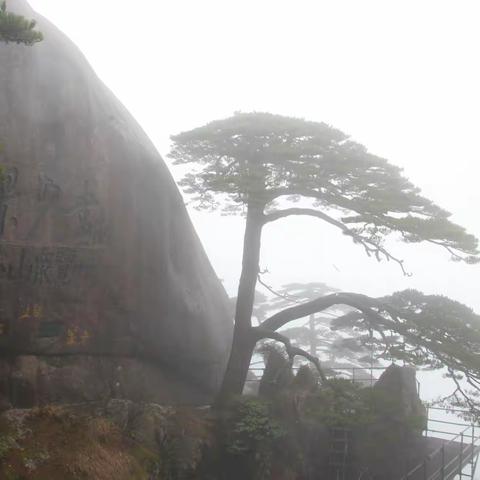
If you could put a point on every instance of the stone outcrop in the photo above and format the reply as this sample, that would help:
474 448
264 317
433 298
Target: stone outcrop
393 442
399 386
105 289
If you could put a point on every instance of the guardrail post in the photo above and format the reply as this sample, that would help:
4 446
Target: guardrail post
460 462
428 419
472 456
443 462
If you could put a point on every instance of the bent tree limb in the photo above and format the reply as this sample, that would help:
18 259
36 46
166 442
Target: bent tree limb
426 330
354 300
431 331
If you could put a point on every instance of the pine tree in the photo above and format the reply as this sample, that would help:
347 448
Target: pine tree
254 163
17 29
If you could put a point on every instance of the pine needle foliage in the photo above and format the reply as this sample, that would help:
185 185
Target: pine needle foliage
257 158
17 29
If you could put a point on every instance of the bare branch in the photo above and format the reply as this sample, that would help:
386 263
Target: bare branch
468 401
292 351
371 247
386 342
287 297
449 249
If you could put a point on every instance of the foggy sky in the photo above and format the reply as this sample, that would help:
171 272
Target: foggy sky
400 77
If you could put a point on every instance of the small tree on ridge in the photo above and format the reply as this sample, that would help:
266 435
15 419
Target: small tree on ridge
16 28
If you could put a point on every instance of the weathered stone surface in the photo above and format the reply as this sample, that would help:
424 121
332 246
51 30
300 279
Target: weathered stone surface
394 441
400 385
277 375
99 262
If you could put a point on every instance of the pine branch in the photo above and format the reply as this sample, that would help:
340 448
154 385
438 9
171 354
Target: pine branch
287 297
371 247
292 351
354 300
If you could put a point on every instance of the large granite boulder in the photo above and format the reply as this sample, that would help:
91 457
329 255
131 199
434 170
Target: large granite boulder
105 289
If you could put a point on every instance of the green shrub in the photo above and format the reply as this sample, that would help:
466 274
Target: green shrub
345 404
252 434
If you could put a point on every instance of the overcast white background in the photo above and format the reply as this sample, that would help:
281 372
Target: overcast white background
403 78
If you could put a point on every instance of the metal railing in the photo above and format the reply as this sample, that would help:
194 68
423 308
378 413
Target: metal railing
441 464
362 375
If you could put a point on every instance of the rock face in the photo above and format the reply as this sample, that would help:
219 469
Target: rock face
394 443
105 289
400 384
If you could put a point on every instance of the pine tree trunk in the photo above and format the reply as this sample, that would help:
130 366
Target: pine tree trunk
243 341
